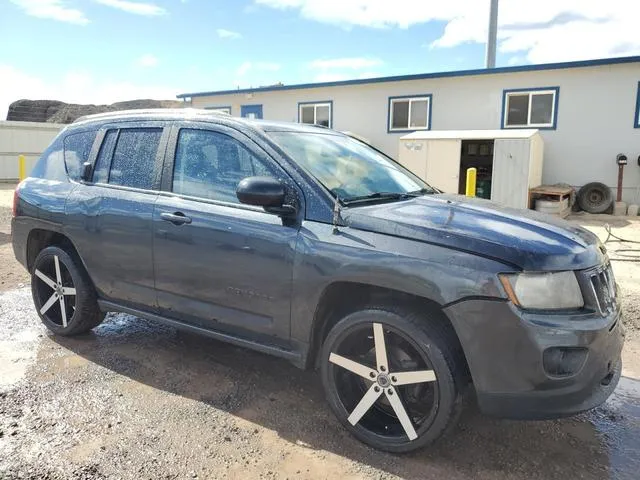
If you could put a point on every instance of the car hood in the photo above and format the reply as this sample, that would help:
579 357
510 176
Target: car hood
522 238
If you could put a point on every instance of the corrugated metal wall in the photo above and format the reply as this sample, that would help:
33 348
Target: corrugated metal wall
27 138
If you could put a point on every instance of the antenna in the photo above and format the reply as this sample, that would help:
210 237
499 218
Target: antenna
492 35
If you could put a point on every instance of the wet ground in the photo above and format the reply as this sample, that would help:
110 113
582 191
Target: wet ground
137 400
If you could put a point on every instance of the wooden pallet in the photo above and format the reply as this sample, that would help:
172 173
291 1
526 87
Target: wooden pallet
560 194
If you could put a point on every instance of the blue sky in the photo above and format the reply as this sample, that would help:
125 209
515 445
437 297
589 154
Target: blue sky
97 51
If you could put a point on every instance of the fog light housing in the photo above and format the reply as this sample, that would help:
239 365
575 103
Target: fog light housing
563 361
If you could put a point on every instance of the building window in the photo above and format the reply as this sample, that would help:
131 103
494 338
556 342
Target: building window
226 110
409 113
316 113
636 122
530 108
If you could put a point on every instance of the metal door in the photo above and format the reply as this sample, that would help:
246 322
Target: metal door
251 111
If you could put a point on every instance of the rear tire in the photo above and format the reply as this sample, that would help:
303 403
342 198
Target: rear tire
63 294
410 401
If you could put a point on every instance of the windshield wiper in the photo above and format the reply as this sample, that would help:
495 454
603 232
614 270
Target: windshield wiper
378 196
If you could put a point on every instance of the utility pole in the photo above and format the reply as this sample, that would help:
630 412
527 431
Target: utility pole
490 61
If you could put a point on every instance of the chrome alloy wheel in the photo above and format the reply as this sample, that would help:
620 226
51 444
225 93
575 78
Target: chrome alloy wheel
397 396
55 291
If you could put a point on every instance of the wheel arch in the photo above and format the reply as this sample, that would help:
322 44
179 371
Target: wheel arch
41 238
343 297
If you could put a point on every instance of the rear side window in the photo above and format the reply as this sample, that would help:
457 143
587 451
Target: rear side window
51 163
77 147
134 157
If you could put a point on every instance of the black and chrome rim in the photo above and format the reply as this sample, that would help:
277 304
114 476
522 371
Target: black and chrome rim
385 382
54 291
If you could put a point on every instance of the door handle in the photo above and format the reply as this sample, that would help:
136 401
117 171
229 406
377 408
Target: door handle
177 218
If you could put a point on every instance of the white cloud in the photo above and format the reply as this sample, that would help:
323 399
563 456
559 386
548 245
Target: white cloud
147 60
222 33
356 63
137 8
246 67
540 31
74 87
338 69
53 9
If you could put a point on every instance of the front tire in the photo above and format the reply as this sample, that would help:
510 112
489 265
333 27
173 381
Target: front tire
63 294
392 378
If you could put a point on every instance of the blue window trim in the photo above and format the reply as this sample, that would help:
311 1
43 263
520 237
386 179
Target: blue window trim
408 97
330 102
503 118
636 120
216 107
243 107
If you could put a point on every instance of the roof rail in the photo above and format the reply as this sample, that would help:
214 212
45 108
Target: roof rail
148 111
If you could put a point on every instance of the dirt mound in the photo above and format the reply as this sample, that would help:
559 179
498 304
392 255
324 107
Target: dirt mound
53 111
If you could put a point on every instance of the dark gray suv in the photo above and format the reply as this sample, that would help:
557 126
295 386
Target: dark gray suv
307 244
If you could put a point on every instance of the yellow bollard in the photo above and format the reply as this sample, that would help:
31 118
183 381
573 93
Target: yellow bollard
471 182
22 167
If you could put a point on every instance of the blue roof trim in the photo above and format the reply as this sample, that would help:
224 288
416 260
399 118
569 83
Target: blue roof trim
423 76
636 120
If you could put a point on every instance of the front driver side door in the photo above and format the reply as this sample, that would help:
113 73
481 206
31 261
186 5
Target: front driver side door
220 264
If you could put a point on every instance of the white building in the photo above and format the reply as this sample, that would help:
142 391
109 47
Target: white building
587 111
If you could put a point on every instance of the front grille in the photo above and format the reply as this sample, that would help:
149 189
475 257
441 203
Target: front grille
604 289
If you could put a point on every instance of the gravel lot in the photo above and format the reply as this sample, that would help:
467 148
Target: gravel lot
137 400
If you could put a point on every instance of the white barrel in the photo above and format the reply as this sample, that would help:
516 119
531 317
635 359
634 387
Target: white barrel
632 211
620 208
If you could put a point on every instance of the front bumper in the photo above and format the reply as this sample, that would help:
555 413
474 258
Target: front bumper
505 347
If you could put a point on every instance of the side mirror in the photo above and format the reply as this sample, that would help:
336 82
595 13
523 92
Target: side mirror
85 173
266 192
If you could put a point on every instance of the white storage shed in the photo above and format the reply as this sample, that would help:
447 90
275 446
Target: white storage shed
509 162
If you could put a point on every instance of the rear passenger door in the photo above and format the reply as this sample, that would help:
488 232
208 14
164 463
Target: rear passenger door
111 216
218 263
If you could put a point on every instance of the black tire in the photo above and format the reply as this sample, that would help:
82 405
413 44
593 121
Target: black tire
432 413
81 307
595 197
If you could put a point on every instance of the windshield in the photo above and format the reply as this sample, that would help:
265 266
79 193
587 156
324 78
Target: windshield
348 168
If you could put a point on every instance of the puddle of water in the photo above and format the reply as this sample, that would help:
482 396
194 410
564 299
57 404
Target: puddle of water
618 424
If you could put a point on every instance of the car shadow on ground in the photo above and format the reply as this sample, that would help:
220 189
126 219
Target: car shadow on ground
276 395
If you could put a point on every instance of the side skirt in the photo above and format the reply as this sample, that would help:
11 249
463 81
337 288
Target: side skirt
297 358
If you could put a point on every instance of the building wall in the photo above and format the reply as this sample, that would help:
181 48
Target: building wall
23 138
595 115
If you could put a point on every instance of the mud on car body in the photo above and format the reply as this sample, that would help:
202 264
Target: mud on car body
304 243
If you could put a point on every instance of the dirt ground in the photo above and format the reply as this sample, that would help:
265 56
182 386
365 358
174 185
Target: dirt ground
137 400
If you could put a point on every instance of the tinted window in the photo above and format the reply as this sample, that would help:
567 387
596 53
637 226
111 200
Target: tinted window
51 163
542 109
77 147
134 157
103 162
518 109
210 165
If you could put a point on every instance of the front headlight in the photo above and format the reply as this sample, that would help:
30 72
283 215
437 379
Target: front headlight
543 291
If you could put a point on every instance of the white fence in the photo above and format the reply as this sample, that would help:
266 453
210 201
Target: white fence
23 138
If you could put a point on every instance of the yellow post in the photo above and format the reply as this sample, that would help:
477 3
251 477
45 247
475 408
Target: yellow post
471 182
22 167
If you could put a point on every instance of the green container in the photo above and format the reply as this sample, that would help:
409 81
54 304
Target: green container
483 189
